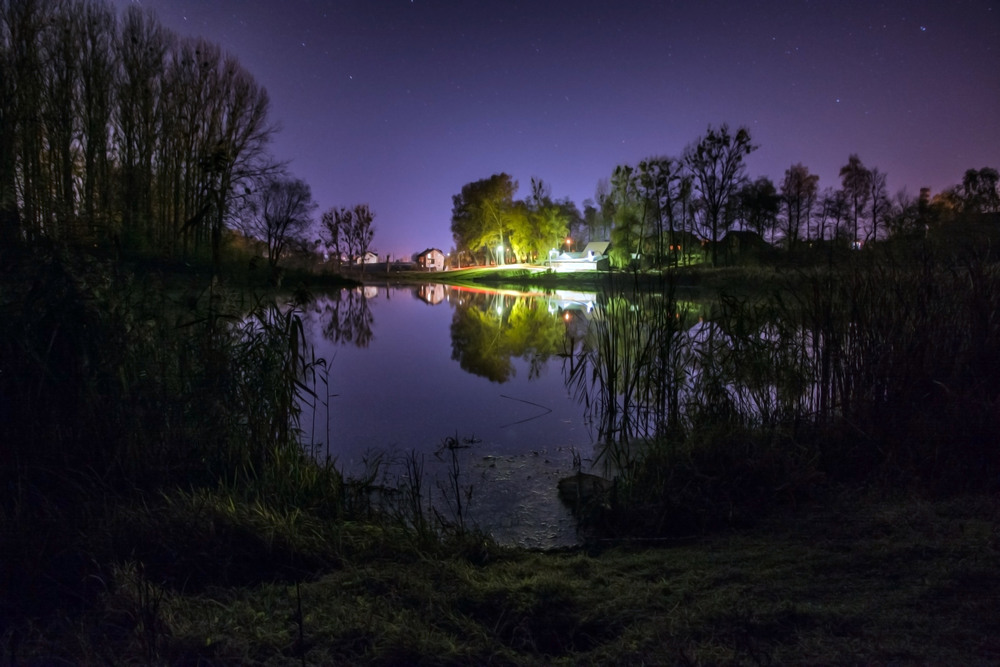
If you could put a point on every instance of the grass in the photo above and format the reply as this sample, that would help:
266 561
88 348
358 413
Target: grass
856 581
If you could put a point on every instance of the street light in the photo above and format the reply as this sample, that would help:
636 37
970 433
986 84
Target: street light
569 244
500 254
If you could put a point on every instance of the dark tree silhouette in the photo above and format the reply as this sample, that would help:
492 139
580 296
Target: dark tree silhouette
856 184
798 194
349 232
759 203
979 191
280 215
717 165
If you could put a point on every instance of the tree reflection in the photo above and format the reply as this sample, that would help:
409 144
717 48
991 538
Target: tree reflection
489 330
347 318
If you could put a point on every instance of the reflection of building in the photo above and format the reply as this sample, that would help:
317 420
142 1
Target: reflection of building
431 259
593 258
432 294
566 300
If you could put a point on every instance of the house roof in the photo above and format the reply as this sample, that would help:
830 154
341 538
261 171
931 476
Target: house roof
599 247
429 251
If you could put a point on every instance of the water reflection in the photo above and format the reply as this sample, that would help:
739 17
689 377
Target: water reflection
432 294
576 369
490 329
632 370
347 317
411 366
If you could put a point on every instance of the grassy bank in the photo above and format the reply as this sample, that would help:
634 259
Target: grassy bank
744 280
856 581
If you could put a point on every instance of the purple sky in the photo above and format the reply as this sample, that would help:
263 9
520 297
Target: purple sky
398 103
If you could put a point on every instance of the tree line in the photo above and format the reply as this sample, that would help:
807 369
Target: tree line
666 210
115 130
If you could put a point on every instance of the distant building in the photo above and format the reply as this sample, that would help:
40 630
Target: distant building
431 259
368 258
593 258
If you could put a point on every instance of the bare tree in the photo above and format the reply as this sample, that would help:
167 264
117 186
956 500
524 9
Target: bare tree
349 232
213 142
361 233
280 215
10 220
141 48
878 195
120 127
97 35
24 26
834 213
717 165
332 223
660 184
904 216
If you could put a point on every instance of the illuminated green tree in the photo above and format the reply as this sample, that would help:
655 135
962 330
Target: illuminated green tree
539 224
481 215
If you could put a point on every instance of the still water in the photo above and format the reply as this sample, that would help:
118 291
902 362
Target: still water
412 366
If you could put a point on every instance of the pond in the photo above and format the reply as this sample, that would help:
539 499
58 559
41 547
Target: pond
411 367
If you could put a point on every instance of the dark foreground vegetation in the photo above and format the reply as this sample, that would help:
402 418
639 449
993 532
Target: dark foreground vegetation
836 504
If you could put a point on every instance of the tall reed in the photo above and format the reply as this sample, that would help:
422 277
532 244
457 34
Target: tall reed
885 369
907 352
629 370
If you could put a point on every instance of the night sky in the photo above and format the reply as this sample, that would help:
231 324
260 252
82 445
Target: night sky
398 103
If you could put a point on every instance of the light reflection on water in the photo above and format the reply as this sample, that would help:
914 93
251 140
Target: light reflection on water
411 366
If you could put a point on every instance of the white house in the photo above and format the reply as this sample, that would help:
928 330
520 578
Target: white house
431 259
593 258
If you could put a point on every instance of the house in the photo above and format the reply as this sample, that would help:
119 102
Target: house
593 258
743 246
368 258
431 259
